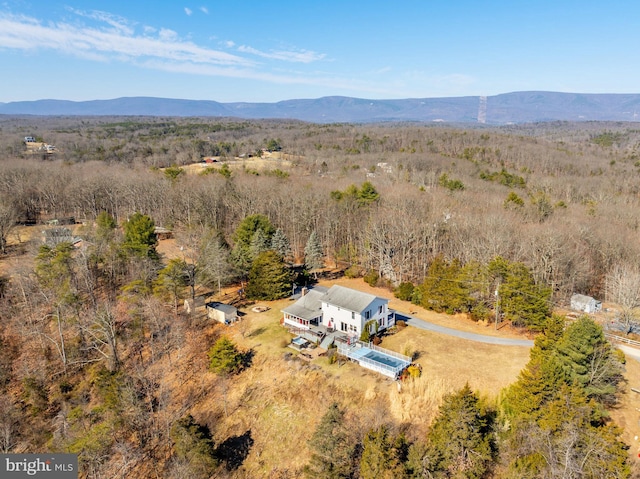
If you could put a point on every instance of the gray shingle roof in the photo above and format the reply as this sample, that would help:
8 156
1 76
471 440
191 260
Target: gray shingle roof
308 306
581 298
225 308
348 299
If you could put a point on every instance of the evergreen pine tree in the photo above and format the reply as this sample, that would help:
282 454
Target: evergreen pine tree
537 384
379 456
269 278
171 280
367 194
224 357
313 253
568 439
522 301
280 244
443 289
259 243
333 452
242 237
194 444
539 381
459 443
105 227
587 358
139 236
555 409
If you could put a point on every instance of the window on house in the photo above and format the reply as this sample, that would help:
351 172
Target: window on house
353 315
380 308
343 326
352 328
367 314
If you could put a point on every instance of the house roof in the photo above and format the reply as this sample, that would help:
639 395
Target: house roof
308 306
57 235
581 298
349 299
225 308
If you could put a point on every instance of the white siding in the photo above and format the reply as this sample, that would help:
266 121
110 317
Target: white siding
341 319
352 322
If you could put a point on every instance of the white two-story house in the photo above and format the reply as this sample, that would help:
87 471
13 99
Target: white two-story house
341 309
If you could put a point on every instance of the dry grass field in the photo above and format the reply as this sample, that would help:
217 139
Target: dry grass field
279 400
267 162
273 407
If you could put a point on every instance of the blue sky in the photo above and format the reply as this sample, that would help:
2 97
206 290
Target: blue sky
233 50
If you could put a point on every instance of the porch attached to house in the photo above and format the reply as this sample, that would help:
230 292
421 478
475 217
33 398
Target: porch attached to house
305 313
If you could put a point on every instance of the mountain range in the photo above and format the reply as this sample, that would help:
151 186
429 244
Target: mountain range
516 107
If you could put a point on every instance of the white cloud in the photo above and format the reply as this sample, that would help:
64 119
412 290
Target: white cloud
24 33
302 56
204 10
117 22
188 11
167 35
113 39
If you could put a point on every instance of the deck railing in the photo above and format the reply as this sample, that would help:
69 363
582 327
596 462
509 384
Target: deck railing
622 339
380 367
388 352
349 350
303 331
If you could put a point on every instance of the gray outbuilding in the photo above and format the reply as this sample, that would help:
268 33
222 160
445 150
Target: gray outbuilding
223 313
585 304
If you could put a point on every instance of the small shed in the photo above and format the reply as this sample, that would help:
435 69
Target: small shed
223 313
54 236
585 304
163 233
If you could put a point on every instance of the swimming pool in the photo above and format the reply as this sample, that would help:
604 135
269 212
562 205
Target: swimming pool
385 359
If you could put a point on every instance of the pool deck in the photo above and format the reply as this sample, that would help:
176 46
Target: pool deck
365 355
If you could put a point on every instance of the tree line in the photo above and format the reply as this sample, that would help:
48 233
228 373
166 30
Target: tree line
552 423
446 217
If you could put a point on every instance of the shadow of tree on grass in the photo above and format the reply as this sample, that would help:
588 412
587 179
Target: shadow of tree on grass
234 450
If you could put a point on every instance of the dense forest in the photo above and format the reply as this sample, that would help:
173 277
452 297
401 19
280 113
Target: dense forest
445 216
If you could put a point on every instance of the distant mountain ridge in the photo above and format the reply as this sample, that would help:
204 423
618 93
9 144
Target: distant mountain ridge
516 107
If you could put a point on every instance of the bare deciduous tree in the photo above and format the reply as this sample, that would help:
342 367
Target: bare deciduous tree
8 218
623 288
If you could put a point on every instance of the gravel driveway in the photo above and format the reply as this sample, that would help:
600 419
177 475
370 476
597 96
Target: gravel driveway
480 338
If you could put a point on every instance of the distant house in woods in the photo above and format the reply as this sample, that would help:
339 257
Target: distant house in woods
54 236
163 233
585 304
223 313
190 305
68 220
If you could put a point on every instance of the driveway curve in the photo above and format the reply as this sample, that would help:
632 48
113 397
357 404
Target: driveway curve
479 338
629 351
